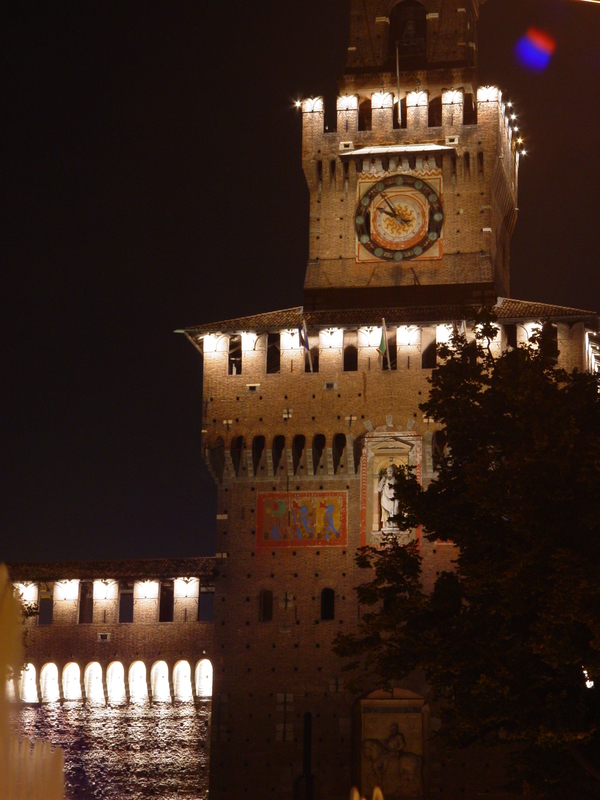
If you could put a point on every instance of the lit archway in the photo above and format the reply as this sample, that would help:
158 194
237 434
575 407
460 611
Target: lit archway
92 679
138 687
204 678
71 681
28 689
115 683
49 683
159 681
182 681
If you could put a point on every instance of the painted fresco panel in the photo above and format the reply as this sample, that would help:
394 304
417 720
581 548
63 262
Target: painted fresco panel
297 519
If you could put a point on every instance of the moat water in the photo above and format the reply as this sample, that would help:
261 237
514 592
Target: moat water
136 751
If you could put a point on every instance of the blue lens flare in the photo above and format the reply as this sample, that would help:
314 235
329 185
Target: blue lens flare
535 49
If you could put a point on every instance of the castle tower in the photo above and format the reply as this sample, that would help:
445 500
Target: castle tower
412 204
412 120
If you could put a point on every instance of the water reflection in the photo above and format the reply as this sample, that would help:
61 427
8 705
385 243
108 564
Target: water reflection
137 751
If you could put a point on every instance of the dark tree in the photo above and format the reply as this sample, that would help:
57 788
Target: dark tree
509 642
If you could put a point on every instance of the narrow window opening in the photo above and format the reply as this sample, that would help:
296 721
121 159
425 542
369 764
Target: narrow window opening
469 110
365 115
317 450
166 604
390 360
235 355
480 164
206 604
327 604
86 602
216 457
125 601
350 351
467 162
510 335
278 448
258 446
45 604
238 445
298 446
273 353
346 172
265 605
428 348
438 448
453 166
549 342
434 118
320 174
339 445
332 171
469 354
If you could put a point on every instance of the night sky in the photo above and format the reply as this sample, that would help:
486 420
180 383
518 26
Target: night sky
141 139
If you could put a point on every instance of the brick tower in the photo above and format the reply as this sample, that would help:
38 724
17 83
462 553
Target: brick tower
412 204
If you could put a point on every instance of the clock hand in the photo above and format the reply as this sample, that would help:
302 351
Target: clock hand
391 207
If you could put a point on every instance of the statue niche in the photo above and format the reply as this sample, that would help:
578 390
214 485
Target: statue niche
388 503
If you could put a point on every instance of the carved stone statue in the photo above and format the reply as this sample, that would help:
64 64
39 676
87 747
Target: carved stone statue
391 767
390 507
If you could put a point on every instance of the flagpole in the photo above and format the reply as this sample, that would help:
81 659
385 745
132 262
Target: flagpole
306 344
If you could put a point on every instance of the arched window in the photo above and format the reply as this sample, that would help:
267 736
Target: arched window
327 604
86 602
265 605
258 446
28 690
49 683
138 687
278 448
297 450
204 678
238 445
115 683
167 601
216 456
71 680
92 679
339 445
182 681
434 112
408 33
159 681
319 443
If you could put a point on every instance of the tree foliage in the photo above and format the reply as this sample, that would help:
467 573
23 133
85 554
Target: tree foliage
503 640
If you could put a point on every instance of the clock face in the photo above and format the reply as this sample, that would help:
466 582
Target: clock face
399 218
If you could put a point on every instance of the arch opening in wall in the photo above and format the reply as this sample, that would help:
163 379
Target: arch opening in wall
327 604
258 447
339 446
238 445
350 351
49 687
318 447
92 680
86 602
407 35
235 355
71 681
277 451
159 682
469 110
265 605
365 115
138 686
434 112
166 605
45 603
204 678
438 448
298 446
182 682
216 457
28 688
273 353
115 683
